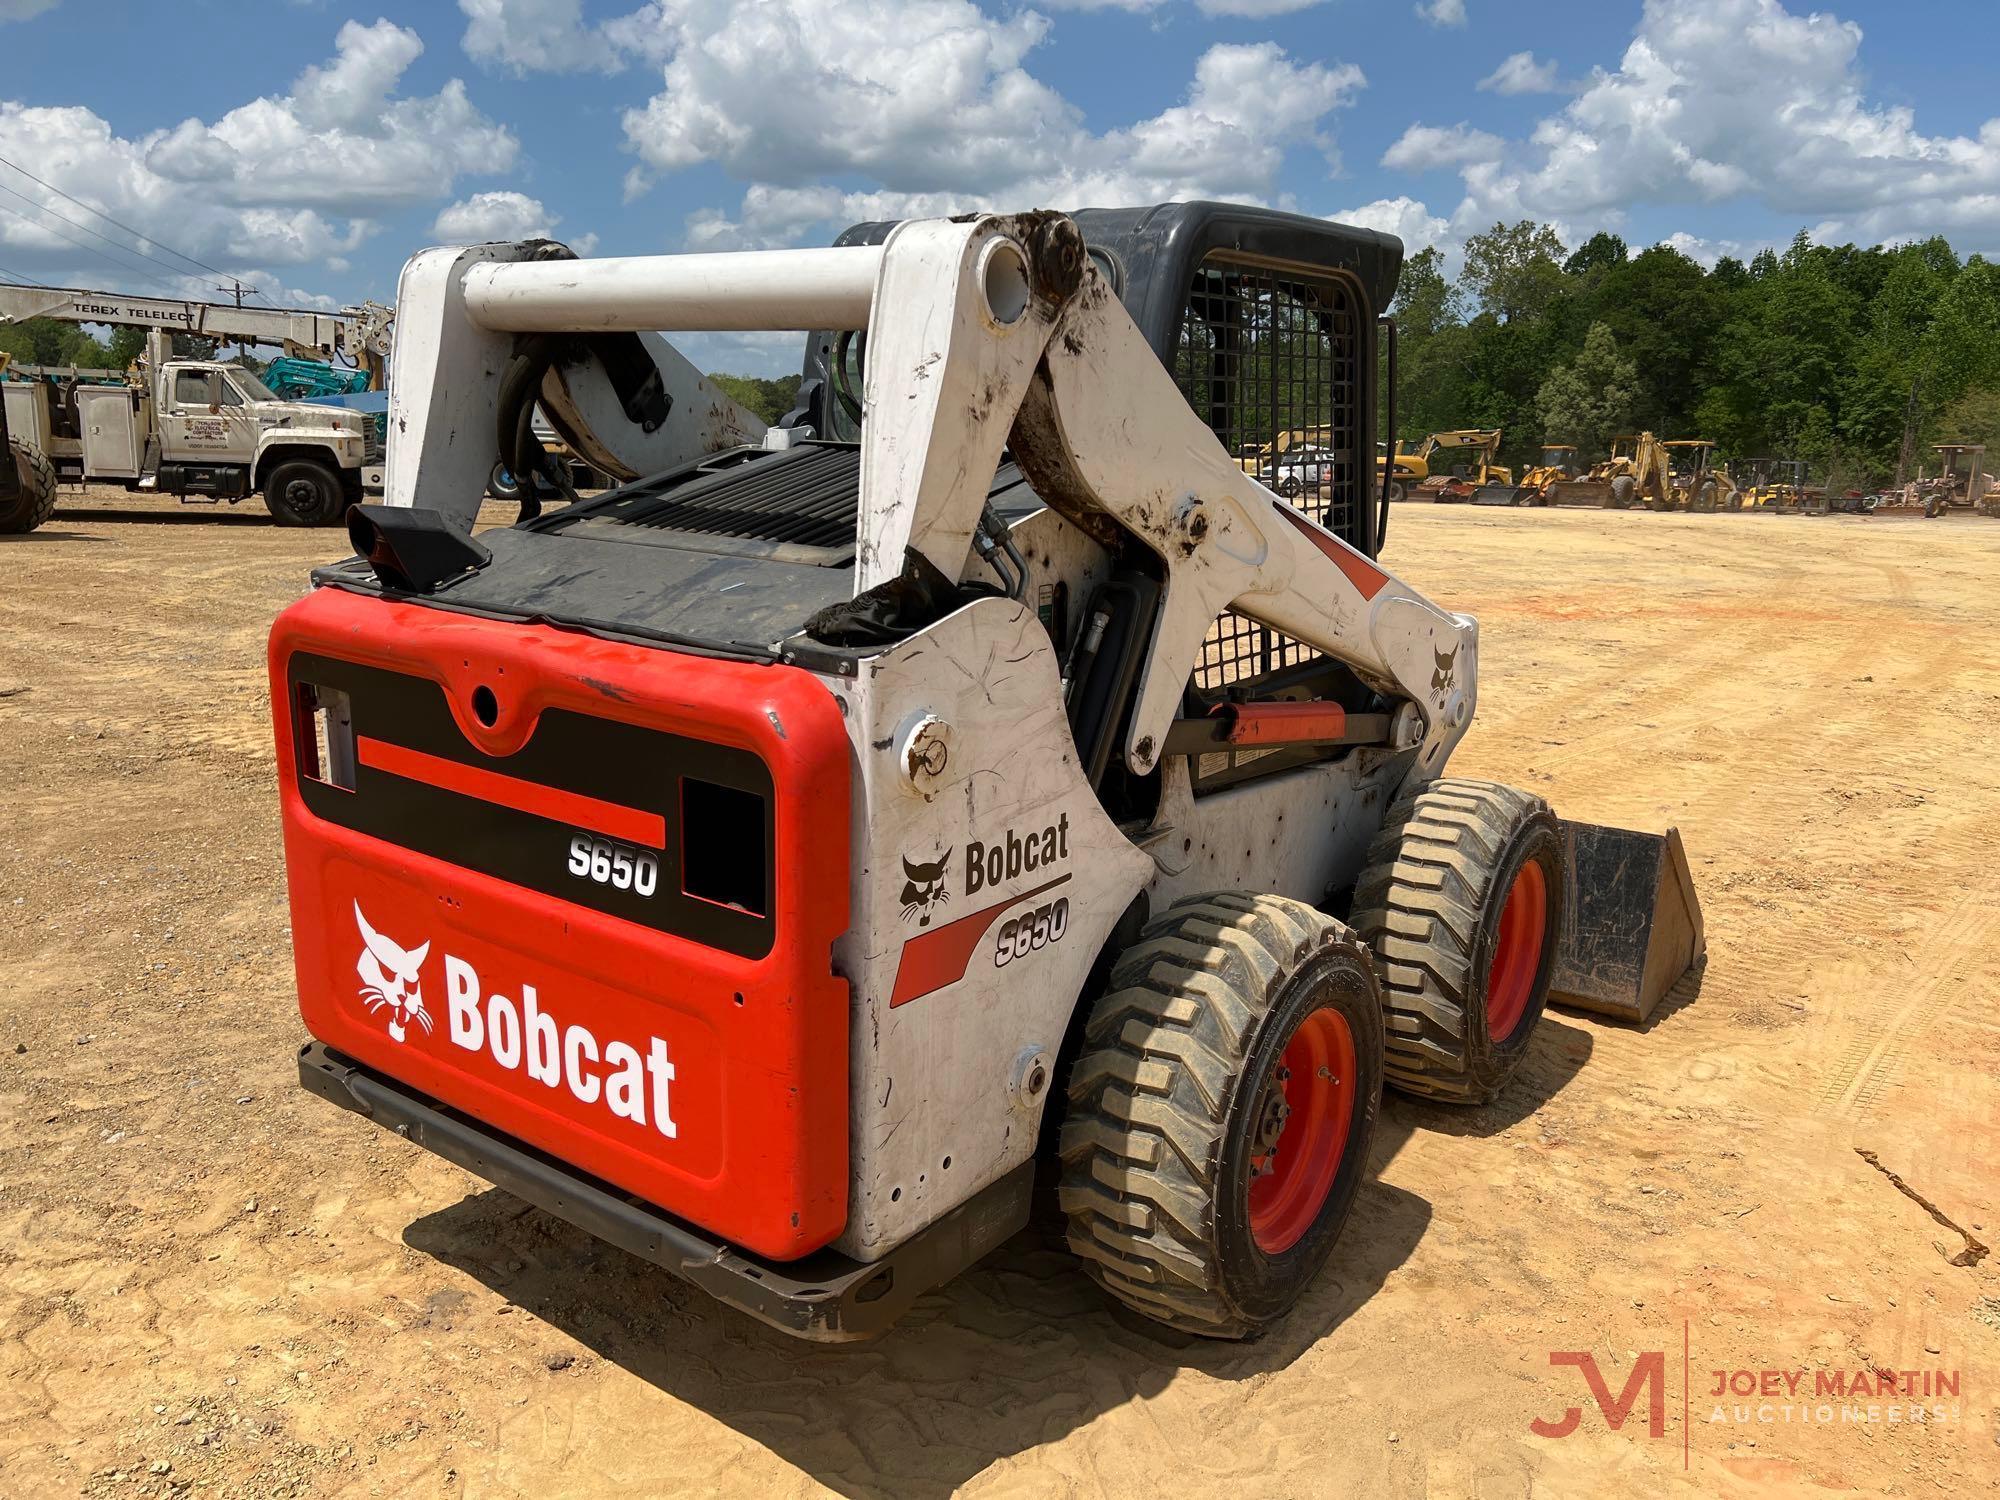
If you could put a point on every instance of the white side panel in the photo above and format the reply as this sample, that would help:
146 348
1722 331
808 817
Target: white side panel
26 414
936 1077
111 443
1302 833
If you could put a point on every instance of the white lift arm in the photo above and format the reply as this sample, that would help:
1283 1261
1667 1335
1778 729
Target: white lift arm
984 335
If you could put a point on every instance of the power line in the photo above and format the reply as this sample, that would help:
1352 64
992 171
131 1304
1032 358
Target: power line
92 250
40 207
136 233
14 276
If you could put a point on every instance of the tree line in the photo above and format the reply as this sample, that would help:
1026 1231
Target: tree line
1855 360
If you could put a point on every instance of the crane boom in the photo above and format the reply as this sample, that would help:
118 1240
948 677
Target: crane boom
361 334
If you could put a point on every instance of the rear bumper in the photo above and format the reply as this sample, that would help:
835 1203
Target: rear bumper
825 1297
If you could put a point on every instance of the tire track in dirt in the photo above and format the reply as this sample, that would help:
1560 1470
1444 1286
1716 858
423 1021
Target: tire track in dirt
1872 1062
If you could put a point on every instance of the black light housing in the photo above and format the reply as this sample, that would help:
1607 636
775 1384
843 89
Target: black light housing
412 551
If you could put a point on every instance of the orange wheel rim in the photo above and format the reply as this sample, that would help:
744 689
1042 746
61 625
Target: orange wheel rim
1517 952
1305 1114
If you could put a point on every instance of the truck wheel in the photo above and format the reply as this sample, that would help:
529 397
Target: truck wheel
502 485
1220 1115
37 500
1462 901
1621 492
1398 492
304 492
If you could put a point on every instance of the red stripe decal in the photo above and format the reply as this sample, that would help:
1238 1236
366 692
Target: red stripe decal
1363 574
935 959
610 819
1282 723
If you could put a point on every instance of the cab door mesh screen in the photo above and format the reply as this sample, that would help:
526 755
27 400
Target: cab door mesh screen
1271 360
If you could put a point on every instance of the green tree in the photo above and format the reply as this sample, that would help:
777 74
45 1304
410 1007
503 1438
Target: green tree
1589 400
763 398
1514 271
46 341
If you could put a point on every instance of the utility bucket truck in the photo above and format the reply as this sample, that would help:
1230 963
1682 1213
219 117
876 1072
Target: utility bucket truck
200 429
774 864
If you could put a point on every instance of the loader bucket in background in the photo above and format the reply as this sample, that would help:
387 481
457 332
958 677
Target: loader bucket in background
1632 923
1494 494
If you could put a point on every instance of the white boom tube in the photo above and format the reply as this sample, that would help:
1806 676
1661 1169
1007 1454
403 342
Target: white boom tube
762 290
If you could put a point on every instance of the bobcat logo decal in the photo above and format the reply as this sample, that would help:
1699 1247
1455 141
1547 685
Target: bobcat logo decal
1446 673
390 980
925 889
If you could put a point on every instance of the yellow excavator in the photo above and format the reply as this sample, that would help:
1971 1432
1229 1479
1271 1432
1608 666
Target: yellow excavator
1412 469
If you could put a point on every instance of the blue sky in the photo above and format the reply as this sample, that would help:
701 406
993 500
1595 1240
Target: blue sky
309 146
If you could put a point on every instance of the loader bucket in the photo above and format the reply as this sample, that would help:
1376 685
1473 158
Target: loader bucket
1494 494
1632 923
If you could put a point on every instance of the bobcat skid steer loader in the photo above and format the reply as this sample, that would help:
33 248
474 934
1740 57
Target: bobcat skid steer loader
768 864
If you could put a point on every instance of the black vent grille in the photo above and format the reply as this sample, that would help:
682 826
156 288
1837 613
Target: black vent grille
1271 360
799 497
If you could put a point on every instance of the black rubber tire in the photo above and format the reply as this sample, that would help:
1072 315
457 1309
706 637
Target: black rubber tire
1429 904
1705 498
502 485
304 492
37 500
1166 1094
1398 492
1622 488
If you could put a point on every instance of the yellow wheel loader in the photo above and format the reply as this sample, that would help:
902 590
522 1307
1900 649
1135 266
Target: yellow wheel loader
1558 464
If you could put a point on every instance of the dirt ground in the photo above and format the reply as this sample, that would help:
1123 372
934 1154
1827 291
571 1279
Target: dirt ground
216 1284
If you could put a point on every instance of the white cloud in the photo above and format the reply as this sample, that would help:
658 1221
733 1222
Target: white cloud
285 180
1254 9
24 10
1442 12
1416 226
1424 148
536 36
485 217
1739 101
936 110
1521 73
494 216
1708 251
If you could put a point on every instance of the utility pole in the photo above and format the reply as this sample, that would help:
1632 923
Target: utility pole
238 290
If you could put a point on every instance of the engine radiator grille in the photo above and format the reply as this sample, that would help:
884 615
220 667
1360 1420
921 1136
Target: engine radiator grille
801 497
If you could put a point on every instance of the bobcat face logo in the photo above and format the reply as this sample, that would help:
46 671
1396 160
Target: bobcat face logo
925 889
390 980
1446 672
